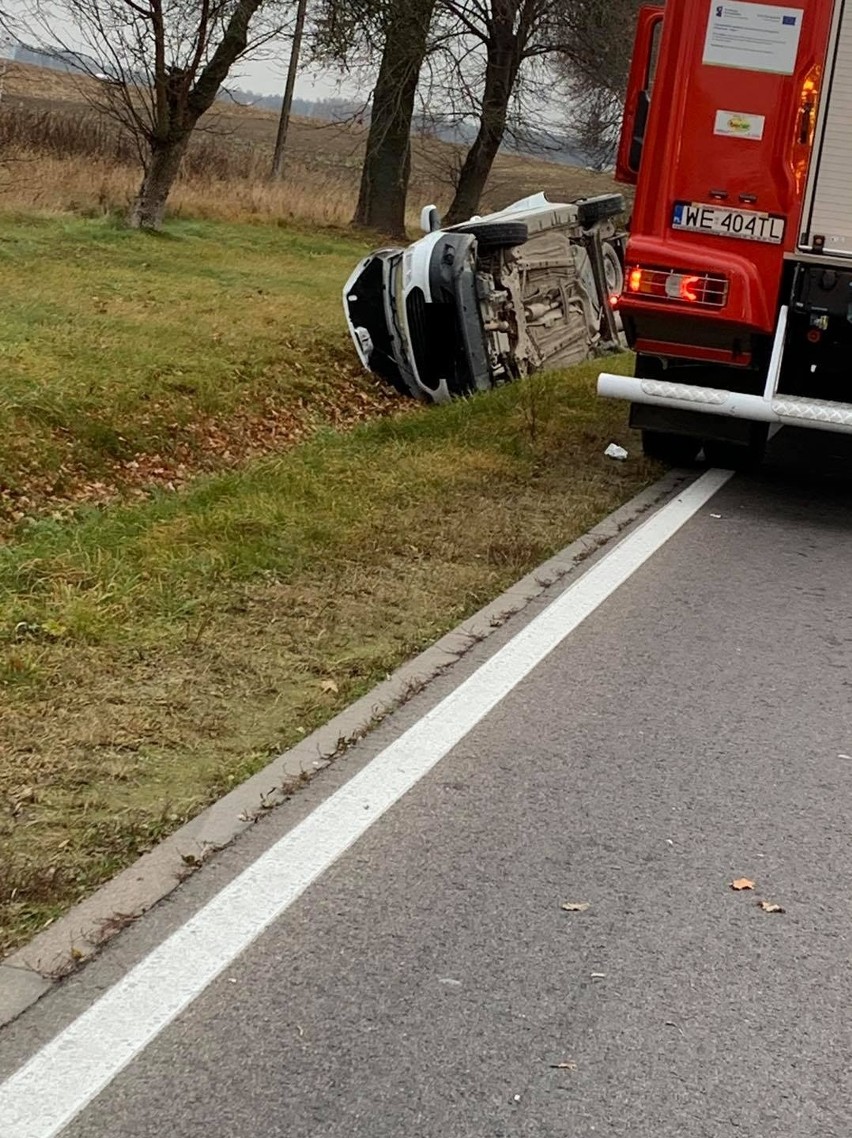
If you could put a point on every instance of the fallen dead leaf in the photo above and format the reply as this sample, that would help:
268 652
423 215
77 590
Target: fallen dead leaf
330 686
742 883
575 906
564 1066
770 907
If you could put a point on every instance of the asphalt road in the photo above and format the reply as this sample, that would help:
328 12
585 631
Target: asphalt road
695 729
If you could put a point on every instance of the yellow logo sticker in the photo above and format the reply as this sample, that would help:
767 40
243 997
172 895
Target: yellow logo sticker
739 124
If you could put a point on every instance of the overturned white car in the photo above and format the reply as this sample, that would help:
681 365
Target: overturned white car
530 287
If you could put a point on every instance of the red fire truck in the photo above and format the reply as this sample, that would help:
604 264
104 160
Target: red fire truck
738 277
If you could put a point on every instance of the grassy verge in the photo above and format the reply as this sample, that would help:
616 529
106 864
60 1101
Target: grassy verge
155 653
130 360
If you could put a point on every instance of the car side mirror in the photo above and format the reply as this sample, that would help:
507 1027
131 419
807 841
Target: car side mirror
430 219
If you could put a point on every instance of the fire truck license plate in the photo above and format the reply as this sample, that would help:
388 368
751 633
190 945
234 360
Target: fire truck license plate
743 223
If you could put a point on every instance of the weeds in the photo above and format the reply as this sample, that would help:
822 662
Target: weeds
61 154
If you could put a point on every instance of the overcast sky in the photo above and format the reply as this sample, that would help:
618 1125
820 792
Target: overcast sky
263 76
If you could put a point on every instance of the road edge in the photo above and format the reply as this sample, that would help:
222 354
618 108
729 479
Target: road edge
34 969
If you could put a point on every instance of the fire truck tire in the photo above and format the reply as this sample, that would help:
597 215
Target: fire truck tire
734 456
738 456
497 234
674 450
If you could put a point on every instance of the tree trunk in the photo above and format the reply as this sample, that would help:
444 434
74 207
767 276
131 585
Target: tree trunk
500 75
182 97
287 104
149 208
387 163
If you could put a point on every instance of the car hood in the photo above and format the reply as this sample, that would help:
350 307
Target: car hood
364 302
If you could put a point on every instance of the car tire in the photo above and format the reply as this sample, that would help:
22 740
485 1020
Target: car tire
673 450
613 270
496 234
593 210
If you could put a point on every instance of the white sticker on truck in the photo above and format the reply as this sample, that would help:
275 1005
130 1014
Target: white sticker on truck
757 37
737 124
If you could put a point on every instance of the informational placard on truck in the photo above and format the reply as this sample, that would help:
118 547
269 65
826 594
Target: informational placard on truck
754 37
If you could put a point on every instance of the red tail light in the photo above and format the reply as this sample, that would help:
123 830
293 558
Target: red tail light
706 289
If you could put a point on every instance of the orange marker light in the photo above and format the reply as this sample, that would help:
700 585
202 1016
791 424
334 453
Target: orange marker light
634 280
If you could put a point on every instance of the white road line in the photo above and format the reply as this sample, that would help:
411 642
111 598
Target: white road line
46 1093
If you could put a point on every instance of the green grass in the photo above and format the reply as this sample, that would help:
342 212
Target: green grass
194 550
128 358
154 654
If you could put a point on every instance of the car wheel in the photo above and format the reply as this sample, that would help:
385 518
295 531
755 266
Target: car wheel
599 208
496 234
613 272
673 450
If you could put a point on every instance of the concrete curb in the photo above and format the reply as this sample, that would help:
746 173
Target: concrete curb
31 971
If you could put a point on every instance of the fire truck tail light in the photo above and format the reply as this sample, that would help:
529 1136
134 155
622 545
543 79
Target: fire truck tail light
679 286
706 289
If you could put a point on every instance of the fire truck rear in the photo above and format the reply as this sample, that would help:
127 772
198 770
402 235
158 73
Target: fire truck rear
738 283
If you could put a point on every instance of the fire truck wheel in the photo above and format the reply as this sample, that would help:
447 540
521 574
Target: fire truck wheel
730 456
674 450
738 456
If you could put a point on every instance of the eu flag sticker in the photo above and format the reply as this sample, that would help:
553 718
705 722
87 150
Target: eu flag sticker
678 213
790 21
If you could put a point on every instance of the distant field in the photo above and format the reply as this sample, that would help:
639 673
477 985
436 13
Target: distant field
62 155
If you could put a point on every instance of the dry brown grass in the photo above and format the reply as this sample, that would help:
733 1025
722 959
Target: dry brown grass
92 186
61 155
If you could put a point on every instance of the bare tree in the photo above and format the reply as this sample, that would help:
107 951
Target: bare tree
596 78
504 28
587 40
387 162
287 104
594 119
159 65
397 32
